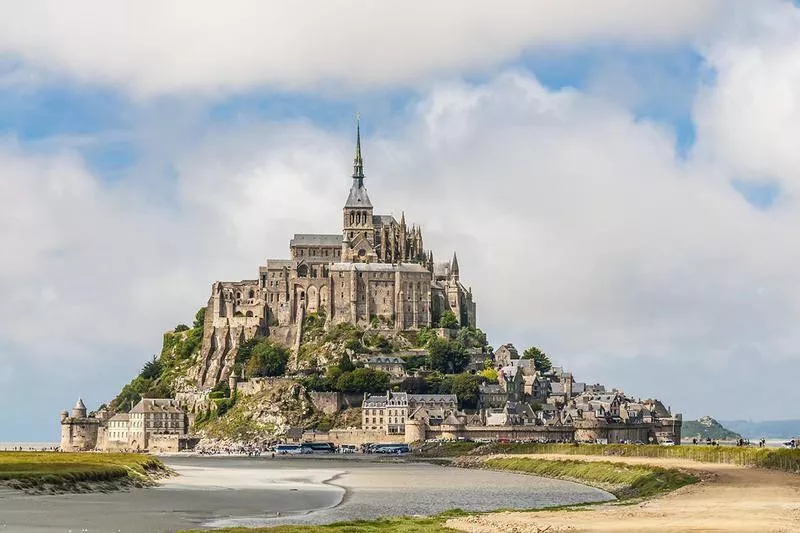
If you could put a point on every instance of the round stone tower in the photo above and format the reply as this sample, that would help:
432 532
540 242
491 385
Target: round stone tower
415 431
79 411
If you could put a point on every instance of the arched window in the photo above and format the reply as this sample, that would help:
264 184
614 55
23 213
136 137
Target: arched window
302 271
249 313
352 218
358 218
252 293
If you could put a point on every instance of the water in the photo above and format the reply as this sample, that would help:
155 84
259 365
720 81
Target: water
216 492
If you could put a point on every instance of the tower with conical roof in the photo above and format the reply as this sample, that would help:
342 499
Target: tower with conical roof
358 239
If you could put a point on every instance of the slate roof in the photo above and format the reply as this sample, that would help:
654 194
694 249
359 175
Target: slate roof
385 360
358 196
378 267
315 239
157 405
383 220
432 398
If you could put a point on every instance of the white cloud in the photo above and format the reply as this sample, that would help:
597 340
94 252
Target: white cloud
151 46
577 226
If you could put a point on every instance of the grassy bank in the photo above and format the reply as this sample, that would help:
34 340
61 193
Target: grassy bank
773 458
622 480
446 449
54 471
404 524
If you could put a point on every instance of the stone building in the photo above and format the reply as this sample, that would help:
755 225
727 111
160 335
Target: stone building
153 423
79 431
376 270
390 412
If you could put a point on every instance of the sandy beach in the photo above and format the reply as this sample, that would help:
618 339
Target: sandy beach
729 498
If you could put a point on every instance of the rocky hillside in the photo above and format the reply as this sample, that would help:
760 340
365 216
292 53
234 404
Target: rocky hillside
707 428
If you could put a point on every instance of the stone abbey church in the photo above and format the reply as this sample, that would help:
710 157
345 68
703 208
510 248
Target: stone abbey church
374 273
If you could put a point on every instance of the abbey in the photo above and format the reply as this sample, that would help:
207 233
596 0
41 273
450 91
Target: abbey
375 273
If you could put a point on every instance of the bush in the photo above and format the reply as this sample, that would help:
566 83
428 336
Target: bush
181 327
267 359
363 380
448 320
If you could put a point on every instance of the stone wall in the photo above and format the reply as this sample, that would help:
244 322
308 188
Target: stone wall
256 385
79 434
352 436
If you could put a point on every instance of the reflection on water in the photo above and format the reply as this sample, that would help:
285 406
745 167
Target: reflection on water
216 492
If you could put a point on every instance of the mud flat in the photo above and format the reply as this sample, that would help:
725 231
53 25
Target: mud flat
218 492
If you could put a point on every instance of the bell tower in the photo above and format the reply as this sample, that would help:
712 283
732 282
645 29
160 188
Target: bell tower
358 238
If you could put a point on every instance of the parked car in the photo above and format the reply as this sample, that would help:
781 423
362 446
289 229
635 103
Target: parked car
668 442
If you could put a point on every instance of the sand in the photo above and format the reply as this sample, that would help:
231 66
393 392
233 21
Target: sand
729 498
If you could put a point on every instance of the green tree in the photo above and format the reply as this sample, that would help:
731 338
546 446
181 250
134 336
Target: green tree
199 318
414 362
448 357
151 369
490 374
424 335
363 380
471 337
181 327
414 385
540 360
245 351
448 320
465 386
267 359
345 364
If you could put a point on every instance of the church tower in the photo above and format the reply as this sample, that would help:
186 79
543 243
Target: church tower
358 243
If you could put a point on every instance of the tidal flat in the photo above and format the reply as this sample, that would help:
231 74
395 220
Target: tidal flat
214 492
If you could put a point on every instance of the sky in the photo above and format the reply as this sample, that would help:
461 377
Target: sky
620 179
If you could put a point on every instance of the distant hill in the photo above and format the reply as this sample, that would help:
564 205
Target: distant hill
707 428
768 429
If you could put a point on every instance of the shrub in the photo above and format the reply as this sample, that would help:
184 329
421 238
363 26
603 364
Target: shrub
448 320
267 359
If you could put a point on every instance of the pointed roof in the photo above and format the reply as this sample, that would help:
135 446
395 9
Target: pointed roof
358 196
454 264
79 404
358 161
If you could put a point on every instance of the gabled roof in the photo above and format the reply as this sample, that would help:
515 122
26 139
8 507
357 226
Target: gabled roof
157 405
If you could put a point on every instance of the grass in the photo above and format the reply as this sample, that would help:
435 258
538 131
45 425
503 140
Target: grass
622 480
403 524
446 449
67 471
772 458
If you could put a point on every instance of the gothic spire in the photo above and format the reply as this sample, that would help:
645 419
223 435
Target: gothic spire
454 266
358 161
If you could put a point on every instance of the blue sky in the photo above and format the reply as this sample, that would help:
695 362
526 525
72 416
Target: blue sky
615 180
